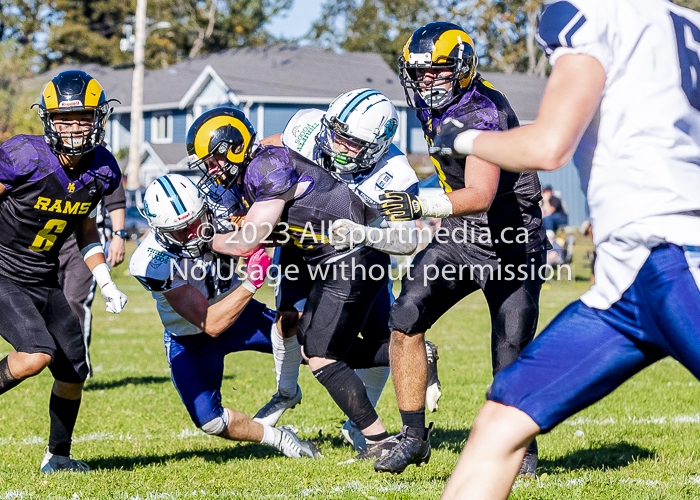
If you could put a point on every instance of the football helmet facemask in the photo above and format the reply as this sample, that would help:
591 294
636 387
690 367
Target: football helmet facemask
181 221
70 92
220 144
356 131
435 46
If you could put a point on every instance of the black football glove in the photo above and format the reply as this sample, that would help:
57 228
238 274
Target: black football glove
399 206
443 144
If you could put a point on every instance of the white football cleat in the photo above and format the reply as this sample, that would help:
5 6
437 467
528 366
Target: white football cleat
353 436
273 410
433 393
293 446
54 463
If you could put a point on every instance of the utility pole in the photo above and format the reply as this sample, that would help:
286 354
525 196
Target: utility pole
132 169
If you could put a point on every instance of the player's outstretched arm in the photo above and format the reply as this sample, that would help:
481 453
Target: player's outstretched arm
273 140
259 223
89 243
214 319
569 103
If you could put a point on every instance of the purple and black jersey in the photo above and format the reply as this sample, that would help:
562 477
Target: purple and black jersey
43 206
275 172
516 204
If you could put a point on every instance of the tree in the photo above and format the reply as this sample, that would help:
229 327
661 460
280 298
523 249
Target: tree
16 115
381 26
91 30
505 32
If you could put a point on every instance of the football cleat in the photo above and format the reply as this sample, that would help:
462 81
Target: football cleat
377 450
273 410
293 446
54 463
528 467
409 448
433 393
353 436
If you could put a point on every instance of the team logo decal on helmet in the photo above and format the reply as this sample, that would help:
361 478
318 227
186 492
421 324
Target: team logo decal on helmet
356 131
70 92
220 144
435 46
181 221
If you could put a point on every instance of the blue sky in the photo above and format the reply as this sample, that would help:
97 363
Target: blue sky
297 21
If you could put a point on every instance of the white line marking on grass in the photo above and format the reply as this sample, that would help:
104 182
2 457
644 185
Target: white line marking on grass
32 439
662 420
11 495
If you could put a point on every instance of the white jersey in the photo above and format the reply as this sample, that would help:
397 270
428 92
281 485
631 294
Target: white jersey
160 271
391 173
639 159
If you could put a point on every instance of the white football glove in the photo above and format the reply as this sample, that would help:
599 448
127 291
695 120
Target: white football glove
344 234
115 299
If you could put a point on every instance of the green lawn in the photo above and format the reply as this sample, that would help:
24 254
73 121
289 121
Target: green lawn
640 443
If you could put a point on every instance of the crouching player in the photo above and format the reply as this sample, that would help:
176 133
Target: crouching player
206 311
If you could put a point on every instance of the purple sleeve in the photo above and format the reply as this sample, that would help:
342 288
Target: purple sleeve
270 175
109 170
8 173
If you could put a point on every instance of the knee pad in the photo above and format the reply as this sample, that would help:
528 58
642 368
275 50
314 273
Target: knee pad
217 425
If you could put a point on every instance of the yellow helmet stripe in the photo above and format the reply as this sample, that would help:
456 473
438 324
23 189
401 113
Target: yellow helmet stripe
203 137
50 96
405 49
92 94
446 42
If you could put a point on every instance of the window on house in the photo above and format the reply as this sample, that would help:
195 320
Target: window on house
161 128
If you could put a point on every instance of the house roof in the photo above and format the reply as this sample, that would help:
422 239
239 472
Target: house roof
170 154
288 73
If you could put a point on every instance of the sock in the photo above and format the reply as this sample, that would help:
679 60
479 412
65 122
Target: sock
374 380
375 438
348 392
7 381
63 414
271 436
287 354
414 420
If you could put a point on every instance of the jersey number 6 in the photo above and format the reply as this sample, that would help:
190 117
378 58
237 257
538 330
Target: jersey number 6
688 38
45 238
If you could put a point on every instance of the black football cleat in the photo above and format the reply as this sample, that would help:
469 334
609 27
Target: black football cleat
528 467
408 449
377 450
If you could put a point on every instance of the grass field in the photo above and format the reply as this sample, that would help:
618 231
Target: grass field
133 431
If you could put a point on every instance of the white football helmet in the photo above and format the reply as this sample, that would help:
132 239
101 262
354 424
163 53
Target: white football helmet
173 203
356 131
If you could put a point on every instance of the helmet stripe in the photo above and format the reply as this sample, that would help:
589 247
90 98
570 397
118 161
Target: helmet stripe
50 97
92 94
172 195
447 42
354 103
203 137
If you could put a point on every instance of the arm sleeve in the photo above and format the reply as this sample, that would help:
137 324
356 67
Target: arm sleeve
116 200
574 27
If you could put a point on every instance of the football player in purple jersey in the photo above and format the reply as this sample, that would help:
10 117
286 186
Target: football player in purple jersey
50 186
491 222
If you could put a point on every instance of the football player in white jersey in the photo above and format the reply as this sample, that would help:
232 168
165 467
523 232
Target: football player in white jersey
353 141
207 312
623 100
